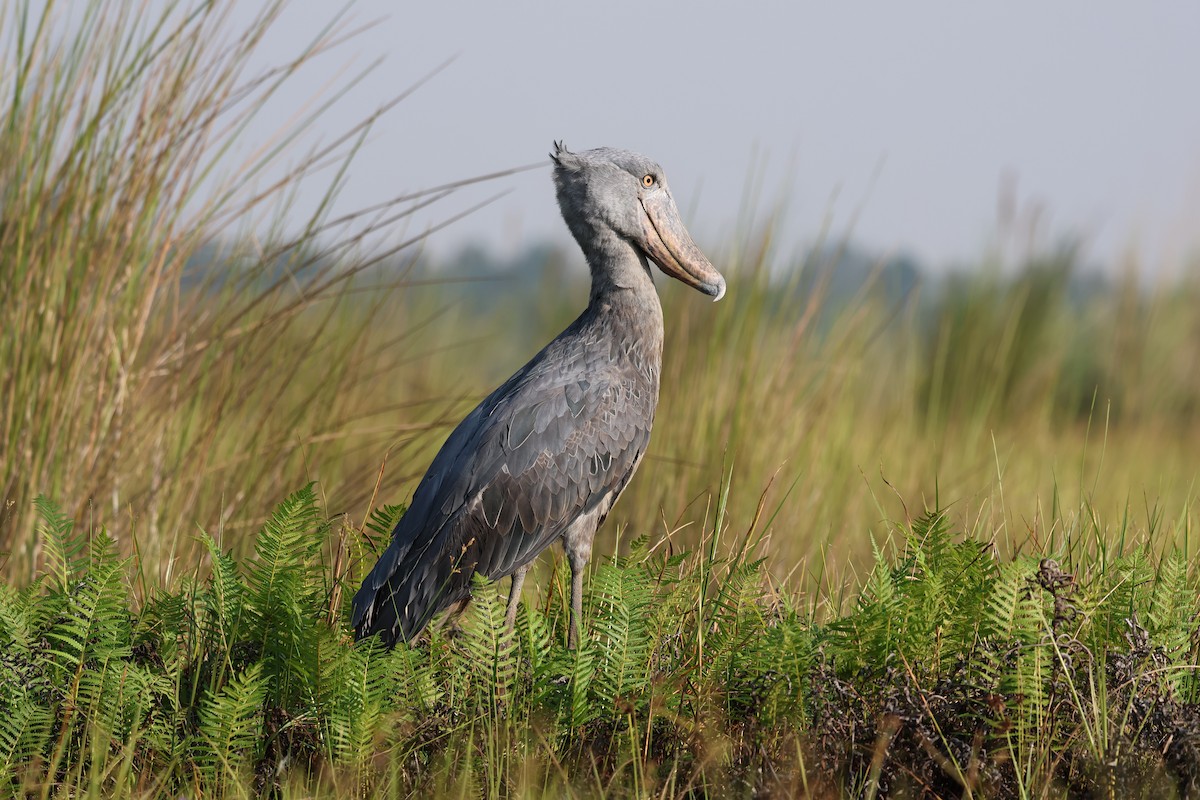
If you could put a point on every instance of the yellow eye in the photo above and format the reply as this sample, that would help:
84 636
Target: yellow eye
647 181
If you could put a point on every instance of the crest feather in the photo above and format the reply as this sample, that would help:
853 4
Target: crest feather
562 157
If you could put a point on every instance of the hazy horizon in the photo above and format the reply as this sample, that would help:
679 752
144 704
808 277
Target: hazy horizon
910 125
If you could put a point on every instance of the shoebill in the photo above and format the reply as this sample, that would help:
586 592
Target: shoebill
543 458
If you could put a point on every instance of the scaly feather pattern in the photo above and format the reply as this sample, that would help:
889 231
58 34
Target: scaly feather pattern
558 440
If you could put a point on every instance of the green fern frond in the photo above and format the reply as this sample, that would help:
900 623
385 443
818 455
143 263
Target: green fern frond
621 597
25 730
537 641
64 552
168 625
230 729
868 636
223 597
356 690
583 666
16 619
285 550
487 643
382 521
1172 605
284 582
735 622
95 621
1126 591
418 679
1011 611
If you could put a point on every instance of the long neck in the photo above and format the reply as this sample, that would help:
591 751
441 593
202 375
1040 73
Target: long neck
624 298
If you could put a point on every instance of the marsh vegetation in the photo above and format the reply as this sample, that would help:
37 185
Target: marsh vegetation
930 542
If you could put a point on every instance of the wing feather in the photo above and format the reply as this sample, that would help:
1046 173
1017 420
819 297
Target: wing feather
546 447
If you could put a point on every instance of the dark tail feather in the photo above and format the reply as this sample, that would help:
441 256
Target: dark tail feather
398 600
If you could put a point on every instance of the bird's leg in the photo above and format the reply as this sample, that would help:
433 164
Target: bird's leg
514 597
578 562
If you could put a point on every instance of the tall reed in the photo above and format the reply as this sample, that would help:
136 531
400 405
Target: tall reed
175 340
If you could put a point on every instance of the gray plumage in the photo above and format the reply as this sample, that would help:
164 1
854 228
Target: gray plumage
545 456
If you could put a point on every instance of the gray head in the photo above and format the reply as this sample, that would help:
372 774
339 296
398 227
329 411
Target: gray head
612 199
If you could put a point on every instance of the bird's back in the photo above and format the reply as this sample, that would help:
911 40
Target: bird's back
559 437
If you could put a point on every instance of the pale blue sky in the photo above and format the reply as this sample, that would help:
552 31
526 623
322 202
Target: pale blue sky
903 119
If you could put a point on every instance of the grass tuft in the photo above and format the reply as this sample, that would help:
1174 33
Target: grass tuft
953 671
